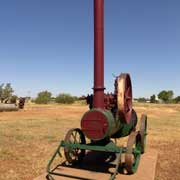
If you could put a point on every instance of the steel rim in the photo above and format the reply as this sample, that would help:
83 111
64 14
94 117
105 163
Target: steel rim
143 132
133 154
124 95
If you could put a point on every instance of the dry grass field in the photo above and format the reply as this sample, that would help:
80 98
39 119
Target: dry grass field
29 137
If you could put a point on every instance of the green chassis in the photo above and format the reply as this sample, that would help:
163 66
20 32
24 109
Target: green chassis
110 147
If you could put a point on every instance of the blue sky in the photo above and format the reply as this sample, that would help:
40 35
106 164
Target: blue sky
49 45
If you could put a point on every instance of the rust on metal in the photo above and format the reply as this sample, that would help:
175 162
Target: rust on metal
124 97
110 116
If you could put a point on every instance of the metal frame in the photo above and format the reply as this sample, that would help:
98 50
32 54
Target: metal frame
109 147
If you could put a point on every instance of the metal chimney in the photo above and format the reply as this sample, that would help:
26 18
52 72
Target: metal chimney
98 100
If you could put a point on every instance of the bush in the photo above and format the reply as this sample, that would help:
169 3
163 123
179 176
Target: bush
153 99
166 96
13 99
75 98
43 97
142 100
65 98
177 99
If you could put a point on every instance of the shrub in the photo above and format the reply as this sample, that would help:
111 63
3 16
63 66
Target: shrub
166 96
13 99
65 98
177 99
142 99
153 98
43 97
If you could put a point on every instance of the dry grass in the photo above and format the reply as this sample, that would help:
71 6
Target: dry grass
29 137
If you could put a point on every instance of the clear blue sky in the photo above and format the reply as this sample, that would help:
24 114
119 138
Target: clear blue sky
49 45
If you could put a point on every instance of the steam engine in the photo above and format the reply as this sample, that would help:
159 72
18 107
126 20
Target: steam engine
117 114
109 116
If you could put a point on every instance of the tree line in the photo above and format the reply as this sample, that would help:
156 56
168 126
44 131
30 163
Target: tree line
165 96
45 97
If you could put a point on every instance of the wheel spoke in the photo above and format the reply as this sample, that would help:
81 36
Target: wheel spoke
75 136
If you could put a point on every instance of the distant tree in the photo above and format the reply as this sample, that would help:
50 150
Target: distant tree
65 98
166 96
76 98
1 92
177 99
142 99
53 99
153 98
5 91
43 97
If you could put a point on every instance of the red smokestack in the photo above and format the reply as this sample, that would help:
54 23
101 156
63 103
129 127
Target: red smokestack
98 101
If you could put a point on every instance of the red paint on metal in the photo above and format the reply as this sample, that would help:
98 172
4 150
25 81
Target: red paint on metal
109 101
128 99
98 101
94 125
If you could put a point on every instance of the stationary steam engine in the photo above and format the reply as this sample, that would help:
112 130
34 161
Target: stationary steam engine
110 116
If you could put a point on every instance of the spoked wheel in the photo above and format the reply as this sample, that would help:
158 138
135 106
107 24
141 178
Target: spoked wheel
133 153
143 131
124 97
74 136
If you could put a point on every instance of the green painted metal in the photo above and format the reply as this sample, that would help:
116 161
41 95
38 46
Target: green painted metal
116 126
109 147
123 130
137 155
112 123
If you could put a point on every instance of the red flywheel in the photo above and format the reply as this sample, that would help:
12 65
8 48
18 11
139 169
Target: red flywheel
124 97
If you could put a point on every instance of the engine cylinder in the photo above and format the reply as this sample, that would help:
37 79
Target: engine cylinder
98 124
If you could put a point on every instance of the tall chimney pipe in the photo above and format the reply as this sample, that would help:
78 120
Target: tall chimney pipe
98 100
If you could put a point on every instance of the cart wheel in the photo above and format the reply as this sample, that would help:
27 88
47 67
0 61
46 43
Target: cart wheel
134 119
143 132
133 153
73 136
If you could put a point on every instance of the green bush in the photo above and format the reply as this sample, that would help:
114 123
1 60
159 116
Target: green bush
65 99
142 99
153 99
177 99
166 96
43 97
